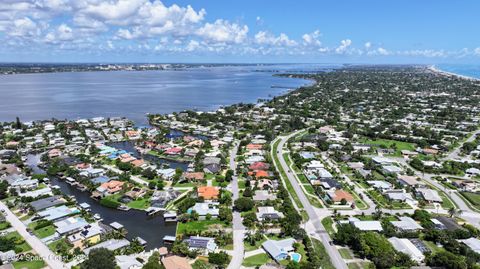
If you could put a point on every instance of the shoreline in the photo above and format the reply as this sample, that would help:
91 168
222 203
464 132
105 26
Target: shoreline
434 69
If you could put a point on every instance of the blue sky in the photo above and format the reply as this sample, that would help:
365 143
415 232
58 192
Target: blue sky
367 31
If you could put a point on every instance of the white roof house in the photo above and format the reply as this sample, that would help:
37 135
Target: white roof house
473 243
392 169
406 224
380 184
367 225
430 195
406 246
382 160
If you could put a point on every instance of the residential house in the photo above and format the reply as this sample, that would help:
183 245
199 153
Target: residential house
406 246
380 185
279 250
208 192
268 213
429 195
366 225
112 245
339 195
109 188
70 225
406 224
175 262
204 209
203 244
89 235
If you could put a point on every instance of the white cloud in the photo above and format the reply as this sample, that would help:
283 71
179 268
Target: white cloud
193 45
344 44
368 45
23 27
223 31
312 39
266 38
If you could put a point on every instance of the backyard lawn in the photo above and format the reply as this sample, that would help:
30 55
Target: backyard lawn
45 231
35 264
201 225
256 260
399 145
139 204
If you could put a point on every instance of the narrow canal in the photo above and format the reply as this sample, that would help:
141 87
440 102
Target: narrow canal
137 223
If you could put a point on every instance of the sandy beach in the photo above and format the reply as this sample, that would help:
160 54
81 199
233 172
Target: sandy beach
450 74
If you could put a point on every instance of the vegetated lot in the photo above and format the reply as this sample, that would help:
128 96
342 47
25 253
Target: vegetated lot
473 198
201 225
20 244
33 264
256 260
386 143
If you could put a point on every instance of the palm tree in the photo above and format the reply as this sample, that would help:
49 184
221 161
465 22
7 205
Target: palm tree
454 212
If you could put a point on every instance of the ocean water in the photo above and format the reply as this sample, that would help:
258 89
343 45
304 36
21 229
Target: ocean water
461 69
133 94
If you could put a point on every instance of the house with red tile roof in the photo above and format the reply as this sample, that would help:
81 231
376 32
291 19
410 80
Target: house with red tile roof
259 173
338 195
259 166
208 192
254 146
173 151
195 176
110 187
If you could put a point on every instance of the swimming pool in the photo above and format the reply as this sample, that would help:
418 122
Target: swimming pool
295 256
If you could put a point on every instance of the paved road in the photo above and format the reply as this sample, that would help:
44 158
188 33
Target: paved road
52 260
318 230
468 214
238 228
455 154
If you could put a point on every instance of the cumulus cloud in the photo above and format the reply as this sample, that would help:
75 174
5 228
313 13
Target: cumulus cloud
266 38
152 25
344 44
312 39
223 31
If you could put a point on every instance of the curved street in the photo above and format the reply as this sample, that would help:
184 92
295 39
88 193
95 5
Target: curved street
314 226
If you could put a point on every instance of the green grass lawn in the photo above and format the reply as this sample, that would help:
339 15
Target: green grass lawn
55 245
389 143
328 224
256 260
4 225
45 231
200 225
29 264
21 245
258 244
241 184
473 198
446 203
139 204
345 253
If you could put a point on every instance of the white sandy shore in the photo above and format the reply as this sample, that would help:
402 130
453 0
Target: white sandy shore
434 69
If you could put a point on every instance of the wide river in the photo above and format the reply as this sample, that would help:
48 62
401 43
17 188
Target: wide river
132 94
